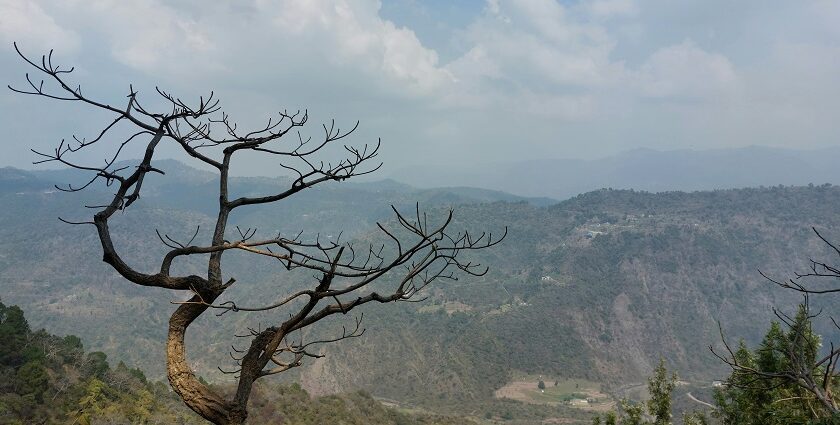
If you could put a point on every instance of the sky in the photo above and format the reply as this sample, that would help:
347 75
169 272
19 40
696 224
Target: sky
446 82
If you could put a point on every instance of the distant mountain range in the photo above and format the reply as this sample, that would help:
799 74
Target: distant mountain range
598 286
640 169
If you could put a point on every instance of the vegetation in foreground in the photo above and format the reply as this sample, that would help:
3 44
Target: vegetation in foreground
49 379
657 410
760 389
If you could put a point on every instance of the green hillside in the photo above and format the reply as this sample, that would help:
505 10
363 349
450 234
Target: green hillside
597 287
51 379
655 277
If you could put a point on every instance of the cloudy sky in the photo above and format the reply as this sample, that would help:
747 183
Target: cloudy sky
447 81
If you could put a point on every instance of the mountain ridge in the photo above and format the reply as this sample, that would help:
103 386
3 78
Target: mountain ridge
639 169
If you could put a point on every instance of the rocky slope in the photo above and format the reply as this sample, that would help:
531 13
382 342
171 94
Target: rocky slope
598 286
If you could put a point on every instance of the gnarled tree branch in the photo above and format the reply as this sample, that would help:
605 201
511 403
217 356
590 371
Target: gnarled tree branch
413 255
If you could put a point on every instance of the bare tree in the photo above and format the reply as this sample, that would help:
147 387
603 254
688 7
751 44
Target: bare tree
416 252
819 270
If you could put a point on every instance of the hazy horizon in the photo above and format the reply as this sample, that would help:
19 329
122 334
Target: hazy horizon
440 82
648 170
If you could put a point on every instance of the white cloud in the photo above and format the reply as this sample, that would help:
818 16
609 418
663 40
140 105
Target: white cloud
533 51
536 49
149 36
218 40
611 8
685 71
599 73
26 22
356 34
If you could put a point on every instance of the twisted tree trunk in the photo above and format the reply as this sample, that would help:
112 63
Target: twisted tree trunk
196 395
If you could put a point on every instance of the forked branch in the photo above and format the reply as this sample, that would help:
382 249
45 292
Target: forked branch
413 254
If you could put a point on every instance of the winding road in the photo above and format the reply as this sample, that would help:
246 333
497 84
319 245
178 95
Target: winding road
701 401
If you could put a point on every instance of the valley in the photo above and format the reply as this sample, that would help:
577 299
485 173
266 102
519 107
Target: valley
591 290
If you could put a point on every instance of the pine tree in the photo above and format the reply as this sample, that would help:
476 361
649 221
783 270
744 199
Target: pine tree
758 390
13 331
660 387
32 380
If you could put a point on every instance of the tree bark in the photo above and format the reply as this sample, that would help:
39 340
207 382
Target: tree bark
196 396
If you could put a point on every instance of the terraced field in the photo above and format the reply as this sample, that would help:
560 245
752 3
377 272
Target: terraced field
576 393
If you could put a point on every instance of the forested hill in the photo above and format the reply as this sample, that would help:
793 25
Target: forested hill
49 379
598 286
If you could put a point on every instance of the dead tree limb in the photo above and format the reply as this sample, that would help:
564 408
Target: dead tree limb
418 252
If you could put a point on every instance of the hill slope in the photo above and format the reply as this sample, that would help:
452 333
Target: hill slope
49 379
596 287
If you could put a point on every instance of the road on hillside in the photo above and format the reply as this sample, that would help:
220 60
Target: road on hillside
700 401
